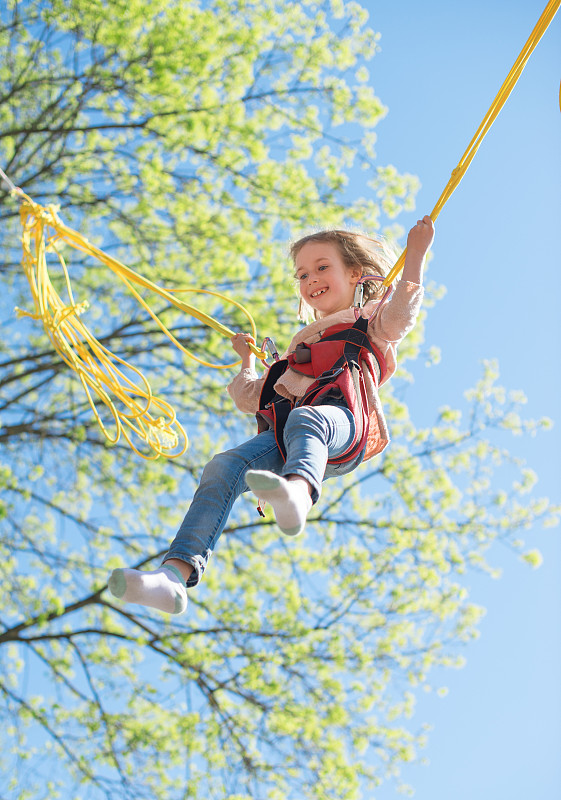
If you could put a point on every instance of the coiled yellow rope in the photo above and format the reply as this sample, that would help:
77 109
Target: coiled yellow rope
135 411
512 78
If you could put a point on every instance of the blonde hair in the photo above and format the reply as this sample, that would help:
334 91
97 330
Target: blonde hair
372 256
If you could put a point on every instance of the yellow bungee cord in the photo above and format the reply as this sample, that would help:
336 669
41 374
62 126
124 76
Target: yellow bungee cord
134 410
149 418
510 82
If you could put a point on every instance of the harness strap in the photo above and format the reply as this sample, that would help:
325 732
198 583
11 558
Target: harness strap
342 382
355 335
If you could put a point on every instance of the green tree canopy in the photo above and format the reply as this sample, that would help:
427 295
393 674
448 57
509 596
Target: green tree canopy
193 141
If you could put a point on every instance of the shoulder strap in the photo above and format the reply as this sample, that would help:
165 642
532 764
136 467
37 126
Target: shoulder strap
355 338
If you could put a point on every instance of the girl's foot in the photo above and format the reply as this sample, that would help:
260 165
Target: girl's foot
290 499
162 588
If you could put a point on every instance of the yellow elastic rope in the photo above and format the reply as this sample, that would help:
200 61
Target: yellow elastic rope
134 410
496 106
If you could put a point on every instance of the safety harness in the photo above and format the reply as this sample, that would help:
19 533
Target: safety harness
336 362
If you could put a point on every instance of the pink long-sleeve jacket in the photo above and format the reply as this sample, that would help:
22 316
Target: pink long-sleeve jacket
393 322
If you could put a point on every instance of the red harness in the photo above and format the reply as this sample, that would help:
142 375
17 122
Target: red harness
336 362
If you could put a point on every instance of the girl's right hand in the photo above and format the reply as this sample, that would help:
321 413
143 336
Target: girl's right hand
240 342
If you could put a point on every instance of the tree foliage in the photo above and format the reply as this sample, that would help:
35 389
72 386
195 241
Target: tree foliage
192 140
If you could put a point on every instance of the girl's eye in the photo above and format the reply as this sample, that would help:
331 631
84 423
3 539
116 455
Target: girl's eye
302 276
323 266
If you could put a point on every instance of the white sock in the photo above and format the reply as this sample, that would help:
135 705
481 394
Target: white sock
162 588
290 500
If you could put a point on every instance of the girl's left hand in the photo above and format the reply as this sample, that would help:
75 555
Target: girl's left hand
421 236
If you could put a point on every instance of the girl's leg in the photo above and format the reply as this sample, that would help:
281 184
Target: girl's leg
222 481
312 435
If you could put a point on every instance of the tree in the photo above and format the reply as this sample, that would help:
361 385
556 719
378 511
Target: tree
193 142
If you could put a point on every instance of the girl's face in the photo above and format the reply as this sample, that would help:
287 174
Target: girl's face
325 282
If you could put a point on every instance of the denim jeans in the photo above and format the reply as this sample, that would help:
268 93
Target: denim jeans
311 436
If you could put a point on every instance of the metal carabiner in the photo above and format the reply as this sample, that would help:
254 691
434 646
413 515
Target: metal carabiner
268 344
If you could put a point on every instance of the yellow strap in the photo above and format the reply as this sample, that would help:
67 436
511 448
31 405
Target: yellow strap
497 104
134 411
128 276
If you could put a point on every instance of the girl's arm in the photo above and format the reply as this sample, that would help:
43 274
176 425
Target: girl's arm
419 241
397 317
245 389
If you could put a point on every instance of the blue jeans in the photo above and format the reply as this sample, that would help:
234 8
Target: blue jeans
311 436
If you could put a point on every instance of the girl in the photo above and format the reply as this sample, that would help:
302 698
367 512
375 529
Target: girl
318 408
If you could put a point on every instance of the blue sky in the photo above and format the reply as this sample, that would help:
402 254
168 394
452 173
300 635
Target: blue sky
497 734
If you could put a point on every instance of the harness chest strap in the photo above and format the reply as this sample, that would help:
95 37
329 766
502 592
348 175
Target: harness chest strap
336 363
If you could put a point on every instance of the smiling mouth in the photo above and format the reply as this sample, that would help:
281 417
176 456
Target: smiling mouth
320 292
